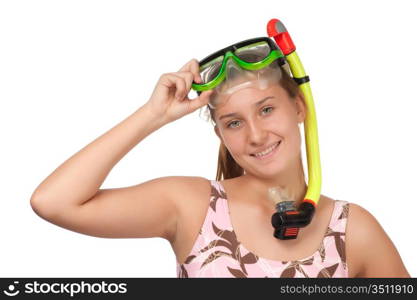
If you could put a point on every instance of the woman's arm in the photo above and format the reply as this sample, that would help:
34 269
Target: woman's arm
369 246
70 196
78 179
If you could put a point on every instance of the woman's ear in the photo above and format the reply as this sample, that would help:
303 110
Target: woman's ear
301 108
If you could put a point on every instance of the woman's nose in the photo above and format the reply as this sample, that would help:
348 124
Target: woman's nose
257 134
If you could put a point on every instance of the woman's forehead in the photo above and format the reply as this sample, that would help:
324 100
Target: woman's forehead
248 97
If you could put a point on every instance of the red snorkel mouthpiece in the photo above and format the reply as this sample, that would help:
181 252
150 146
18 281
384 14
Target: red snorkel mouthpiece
288 220
277 30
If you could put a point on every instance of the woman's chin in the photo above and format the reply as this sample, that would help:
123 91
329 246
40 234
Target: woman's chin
266 171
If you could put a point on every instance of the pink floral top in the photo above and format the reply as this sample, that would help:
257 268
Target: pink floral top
218 253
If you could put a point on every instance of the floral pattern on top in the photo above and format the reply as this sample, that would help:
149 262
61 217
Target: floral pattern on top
217 252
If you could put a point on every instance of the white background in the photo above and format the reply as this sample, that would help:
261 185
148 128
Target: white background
71 70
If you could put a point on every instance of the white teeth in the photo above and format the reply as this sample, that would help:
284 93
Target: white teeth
267 151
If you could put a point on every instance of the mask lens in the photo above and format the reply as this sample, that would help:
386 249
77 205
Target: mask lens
210 70
254 52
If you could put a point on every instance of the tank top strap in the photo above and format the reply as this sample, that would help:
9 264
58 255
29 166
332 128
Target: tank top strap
339 217
334 246
218 215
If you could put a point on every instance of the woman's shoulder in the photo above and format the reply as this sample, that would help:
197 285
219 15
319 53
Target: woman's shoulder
362 232
190 188
181 183
361 223
191 179
178 186
370 247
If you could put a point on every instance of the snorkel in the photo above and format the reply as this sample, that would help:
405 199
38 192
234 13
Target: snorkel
288 220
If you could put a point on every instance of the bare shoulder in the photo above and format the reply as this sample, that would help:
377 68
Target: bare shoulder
185 186
182 188
369 246
192 201
184 181
191 194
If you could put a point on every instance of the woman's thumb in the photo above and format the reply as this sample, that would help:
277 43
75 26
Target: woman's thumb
201 100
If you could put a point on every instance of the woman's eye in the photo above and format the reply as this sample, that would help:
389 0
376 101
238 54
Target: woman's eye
267 109
231 124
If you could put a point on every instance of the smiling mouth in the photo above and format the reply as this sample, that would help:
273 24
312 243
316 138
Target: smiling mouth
267 151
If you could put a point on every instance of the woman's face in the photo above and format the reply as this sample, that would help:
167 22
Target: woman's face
260 129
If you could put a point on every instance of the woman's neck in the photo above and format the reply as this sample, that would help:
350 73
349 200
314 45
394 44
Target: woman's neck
292 185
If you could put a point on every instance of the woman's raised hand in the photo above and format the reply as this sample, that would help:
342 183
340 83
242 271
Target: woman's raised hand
170 101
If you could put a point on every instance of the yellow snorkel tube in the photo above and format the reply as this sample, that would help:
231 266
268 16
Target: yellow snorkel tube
288 221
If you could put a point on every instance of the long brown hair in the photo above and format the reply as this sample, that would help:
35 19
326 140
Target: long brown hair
227 167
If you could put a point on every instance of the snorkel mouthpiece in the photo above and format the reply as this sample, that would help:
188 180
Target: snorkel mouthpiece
288 220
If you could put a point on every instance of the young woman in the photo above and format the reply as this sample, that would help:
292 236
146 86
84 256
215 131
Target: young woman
222 227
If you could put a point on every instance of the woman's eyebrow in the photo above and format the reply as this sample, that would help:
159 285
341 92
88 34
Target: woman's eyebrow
255 104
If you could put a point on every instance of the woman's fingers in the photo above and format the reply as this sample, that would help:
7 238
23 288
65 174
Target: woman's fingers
193 67
177 85
184 78
201 100
188 77
171 80
181 86
188 80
